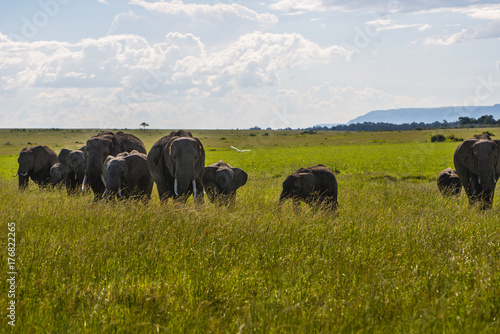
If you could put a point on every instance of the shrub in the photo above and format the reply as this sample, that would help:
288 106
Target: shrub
453 138
438 138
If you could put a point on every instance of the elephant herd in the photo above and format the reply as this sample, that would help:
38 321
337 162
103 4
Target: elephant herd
116 165
477 164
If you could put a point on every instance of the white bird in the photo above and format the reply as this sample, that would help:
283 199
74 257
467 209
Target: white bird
239 151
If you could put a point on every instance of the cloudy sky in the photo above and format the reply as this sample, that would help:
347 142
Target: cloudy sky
237 64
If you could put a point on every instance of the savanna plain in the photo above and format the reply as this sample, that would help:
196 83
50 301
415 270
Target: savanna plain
395 257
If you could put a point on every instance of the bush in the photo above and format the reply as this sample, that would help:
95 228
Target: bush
453 138
438 138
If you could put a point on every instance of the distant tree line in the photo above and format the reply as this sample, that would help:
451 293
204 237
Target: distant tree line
463 122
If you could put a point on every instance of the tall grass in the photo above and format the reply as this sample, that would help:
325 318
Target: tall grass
396 256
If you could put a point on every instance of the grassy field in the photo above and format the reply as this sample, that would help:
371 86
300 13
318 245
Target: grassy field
395 257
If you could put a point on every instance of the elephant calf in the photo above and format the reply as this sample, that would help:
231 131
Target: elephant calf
221 181
127 176
314 185
449 183
57 174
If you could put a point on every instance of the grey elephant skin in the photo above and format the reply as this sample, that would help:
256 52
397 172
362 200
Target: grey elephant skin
73 163
221 181
57 175
99 147
316 185
176 162
35 163
477 165
127 176
449 183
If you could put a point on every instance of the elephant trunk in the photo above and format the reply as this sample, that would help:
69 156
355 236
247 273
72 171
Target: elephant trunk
487 182
283 197
23 180
224 180
184 179
93 173
114 187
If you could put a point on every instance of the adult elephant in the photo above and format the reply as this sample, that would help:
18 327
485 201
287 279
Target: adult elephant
314 185
477 165
176 162
101 146
221 181
127 176
35 163
73 162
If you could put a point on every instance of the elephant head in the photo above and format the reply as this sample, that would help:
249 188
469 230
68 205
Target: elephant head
35 162
76 163
127 175
221 181
26 161
57 174
184 162
115 171
477 165
314 185
98 148
176 162
448 182
298 185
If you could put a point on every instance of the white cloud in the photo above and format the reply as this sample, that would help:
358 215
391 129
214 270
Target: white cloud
477 32
219 22
254 60
479 9
181 62
388 24
219 12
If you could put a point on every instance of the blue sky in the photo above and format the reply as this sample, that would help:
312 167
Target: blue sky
238 64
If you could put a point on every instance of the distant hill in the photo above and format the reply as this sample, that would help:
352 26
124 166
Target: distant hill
426 115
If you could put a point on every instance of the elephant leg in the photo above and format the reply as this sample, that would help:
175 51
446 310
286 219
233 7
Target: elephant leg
199 193
475 189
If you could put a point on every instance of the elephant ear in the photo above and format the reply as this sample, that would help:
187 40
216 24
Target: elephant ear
201 162
155 158
464 156
42 158
115 146
167 155
63 156
240 178
208 176
308 182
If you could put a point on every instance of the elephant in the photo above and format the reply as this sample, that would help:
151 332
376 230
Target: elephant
57 174
35 163
74 163
221 181
127 176
98 148
176 162
477 165
448 182
314 185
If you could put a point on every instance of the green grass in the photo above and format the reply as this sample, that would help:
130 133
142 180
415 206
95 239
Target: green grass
395 257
